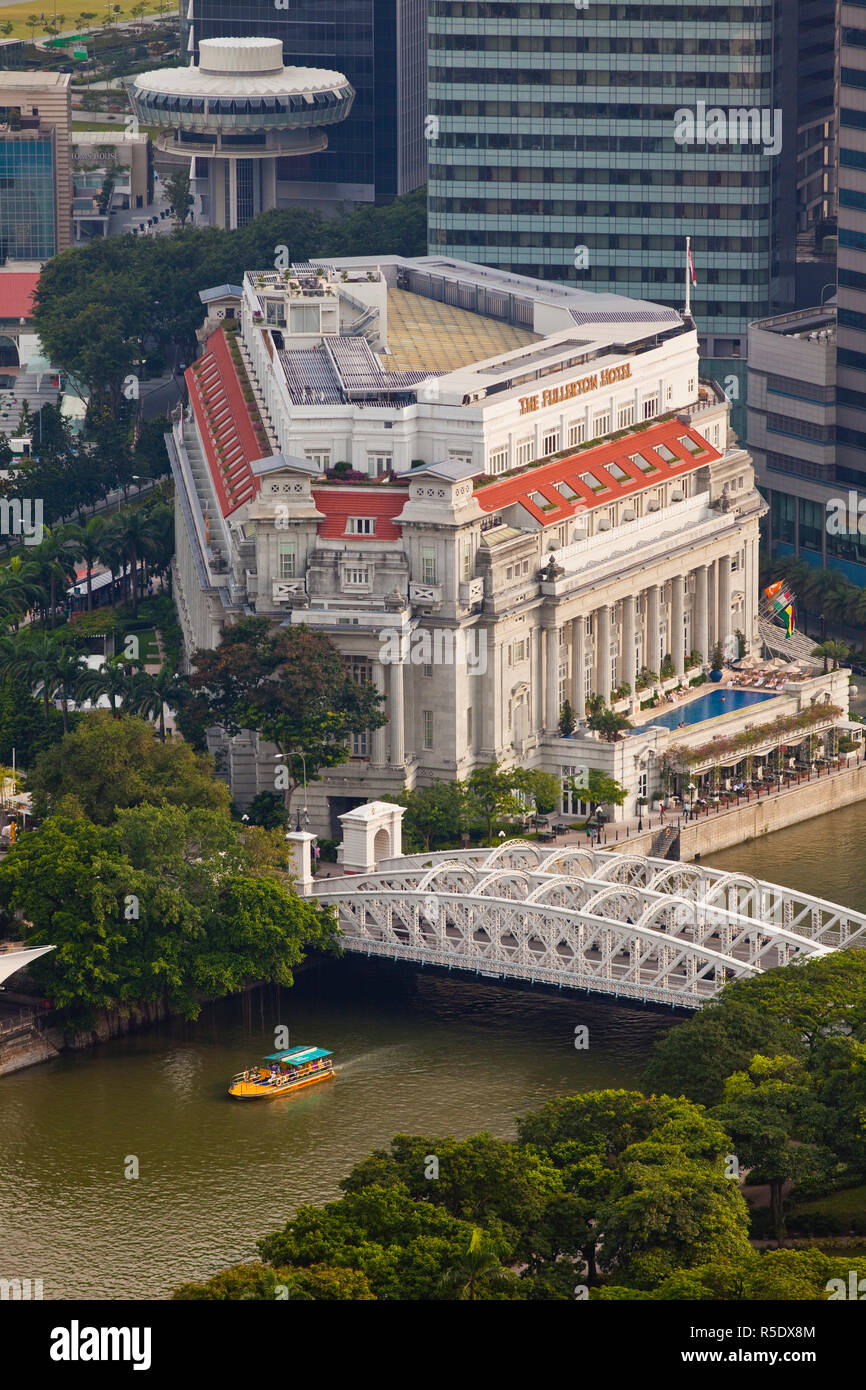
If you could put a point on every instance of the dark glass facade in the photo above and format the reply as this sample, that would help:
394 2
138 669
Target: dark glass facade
851 295
379 45
555 153
28 224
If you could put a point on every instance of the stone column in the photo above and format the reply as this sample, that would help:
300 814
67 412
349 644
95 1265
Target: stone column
751 596
628 663
602 656
677 641
380 755
712 605
701 613
653 617
398 745
578 659
724 628
233 194
551 677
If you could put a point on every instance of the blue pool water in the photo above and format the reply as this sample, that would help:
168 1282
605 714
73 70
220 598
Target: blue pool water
709 706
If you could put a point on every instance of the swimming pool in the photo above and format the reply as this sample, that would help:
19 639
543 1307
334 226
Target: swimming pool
708 706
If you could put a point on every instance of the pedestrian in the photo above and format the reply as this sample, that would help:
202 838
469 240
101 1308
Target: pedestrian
662 810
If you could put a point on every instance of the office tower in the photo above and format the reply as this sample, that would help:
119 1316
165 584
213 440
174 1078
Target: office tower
851 173
35 177
380 45
563 151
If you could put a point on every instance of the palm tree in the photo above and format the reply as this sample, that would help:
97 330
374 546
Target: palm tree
86 542
54 559
161 518
110 552
478 1271
832 651
20 589
70 668
136 536
39 658
149 694
112 678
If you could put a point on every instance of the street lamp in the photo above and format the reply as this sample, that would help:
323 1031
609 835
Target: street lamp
692 790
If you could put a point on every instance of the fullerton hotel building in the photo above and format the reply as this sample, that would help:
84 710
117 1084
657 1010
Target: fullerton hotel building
496 495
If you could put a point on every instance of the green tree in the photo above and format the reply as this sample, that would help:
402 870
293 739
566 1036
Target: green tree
832 651
110 764
608 724
602 790
176 189
259 1282
150 692
433 813
544 788
111 678
478 1272
763 1111
491 795
567 720
292 686
43 662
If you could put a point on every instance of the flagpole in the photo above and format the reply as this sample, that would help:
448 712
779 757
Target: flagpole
688 280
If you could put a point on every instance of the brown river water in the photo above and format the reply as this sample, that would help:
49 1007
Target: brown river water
416 1052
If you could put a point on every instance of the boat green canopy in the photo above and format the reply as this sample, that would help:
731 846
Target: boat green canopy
298 1055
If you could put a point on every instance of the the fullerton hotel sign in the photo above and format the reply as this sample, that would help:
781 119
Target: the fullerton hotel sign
575 388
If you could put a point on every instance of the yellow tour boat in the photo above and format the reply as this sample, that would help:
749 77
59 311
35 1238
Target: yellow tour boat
280 1073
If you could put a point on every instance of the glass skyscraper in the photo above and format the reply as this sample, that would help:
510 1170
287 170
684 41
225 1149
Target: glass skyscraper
851 298
28 229
380 45
559 151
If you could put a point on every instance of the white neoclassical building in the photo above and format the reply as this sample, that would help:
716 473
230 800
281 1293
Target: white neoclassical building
544 500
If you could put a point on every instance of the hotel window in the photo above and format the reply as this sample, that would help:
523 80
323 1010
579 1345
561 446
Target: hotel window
525 567
321 460
567 491
576 431
549 442
669 393
509 573
593 483
467 561
665 453
691 386
618 474
288 559
361 745
360 526
427 726
625 416
518 651
650 407
469 725
356 577
377 464
524 452
498 460
427 670
428 564
644 464
601 424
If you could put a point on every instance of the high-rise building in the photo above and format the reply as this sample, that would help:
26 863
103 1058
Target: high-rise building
585 142
35 168
380 45
851 173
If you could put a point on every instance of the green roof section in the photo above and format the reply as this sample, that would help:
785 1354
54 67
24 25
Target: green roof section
298 1055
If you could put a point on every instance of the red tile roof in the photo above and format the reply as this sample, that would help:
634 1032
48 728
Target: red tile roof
338 504
17 288
224 423
541 482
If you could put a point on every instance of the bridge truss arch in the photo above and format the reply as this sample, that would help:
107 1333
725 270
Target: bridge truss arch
584 918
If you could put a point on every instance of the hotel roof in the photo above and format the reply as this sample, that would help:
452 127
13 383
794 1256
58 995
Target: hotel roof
596 477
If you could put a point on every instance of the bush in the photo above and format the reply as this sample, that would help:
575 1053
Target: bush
816 1223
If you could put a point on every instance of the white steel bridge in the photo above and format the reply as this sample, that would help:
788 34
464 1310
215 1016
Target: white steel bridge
654 930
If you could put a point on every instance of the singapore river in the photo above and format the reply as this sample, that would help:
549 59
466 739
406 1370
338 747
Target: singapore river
423 1054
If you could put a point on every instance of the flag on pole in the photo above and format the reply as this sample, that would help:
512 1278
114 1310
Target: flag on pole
691 262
